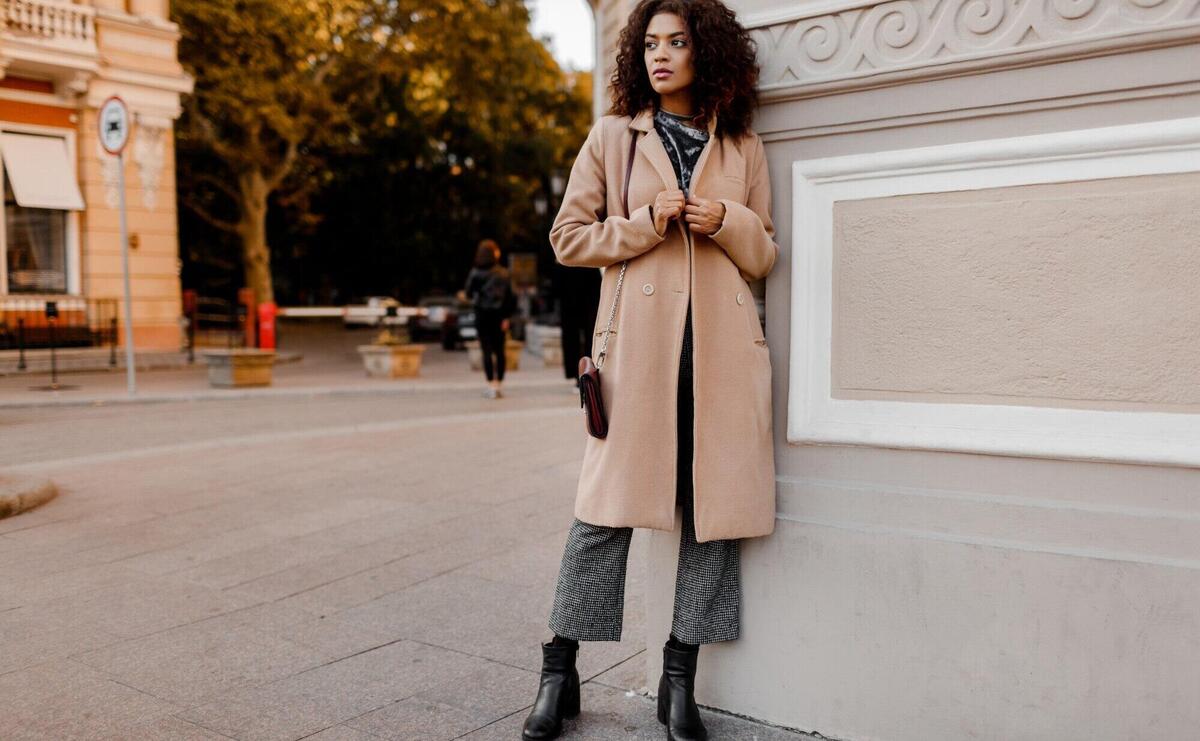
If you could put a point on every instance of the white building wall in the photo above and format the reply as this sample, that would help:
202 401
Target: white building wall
950 566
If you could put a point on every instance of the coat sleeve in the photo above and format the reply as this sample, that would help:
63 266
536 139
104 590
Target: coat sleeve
583 234
748 235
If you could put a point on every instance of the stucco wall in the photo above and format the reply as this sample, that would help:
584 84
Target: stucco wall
152 219
1051 294
930 594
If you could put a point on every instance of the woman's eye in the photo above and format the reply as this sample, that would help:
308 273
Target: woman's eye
649 44
680 42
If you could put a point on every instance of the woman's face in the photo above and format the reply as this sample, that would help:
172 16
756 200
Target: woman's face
668 54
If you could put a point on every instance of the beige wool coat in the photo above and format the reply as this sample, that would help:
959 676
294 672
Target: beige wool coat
628 478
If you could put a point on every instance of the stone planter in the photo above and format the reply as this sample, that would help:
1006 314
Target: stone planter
474 354
392 361
242 366
545 341
552 351
512 355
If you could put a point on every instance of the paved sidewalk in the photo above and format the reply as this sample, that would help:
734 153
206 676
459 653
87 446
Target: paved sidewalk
328 364
353 567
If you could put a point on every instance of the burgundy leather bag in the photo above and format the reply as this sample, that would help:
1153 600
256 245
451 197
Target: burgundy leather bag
590 397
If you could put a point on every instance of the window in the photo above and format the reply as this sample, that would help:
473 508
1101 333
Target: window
36 246
40 191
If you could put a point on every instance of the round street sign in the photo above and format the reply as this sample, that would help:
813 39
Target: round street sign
114 125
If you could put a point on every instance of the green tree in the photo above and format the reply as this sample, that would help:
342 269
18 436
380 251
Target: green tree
385 129
263 96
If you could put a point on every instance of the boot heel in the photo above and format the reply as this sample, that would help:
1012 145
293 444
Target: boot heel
570 703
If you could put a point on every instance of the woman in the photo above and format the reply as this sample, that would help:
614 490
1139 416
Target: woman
489 288
686 377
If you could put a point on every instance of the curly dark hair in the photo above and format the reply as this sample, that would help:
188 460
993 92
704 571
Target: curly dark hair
723 54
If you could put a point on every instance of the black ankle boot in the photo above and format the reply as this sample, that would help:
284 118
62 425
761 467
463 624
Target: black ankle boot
676 702
558 693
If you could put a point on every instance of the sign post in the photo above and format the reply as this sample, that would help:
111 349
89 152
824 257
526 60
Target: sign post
114 135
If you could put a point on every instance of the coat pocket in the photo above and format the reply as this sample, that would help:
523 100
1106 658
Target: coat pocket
750 312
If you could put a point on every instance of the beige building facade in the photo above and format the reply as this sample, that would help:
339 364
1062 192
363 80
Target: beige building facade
985 335
59 61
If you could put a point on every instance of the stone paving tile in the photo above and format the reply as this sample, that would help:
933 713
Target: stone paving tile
25 520
608 714
501 622
454 708
64 700
34 635
188 664
342 733
370 581
19 589
628 675
410 554
524 566
244 539
170 728
416 719
331 694
371 584
331 636
138 608
256 563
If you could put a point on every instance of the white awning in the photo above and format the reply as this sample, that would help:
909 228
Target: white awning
40 171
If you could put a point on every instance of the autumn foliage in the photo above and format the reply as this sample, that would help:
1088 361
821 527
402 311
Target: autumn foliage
353 147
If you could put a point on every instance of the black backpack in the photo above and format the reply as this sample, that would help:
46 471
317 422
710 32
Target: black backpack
495 293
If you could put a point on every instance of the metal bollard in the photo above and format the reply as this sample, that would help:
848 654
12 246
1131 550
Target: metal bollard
112 345
21 343
52 320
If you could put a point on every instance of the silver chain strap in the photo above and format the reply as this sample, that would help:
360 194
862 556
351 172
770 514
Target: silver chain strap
620 278
611 314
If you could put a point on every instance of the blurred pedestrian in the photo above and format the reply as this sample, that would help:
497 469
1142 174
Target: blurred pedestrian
489 289
579 296
686 380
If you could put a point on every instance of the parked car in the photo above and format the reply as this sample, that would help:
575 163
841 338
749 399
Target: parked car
446 319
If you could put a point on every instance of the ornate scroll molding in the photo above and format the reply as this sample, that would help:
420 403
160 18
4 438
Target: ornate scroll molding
149 151
860 44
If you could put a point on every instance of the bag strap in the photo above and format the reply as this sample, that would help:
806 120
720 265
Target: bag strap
628 171
624 264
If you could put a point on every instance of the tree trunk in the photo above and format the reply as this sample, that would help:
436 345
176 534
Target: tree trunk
252 228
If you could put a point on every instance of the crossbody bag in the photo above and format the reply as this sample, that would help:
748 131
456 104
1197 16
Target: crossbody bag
590 397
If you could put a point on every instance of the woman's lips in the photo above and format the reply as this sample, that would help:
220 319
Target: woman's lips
662 73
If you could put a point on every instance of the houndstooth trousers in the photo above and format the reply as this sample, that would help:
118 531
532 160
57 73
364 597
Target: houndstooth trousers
589 599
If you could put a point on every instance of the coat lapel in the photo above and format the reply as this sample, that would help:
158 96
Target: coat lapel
652 148
708 146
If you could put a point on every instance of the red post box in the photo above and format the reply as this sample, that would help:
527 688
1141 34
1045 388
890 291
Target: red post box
266 325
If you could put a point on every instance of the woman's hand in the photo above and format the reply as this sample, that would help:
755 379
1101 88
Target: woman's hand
504 325
704 216
667 205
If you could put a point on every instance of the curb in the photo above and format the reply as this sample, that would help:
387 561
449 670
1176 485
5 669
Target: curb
19 495
40 366
274 393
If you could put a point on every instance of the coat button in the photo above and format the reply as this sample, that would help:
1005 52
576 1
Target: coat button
740 299
648 289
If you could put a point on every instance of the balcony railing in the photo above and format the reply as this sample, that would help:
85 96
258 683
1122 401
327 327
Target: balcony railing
49 20
48 36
